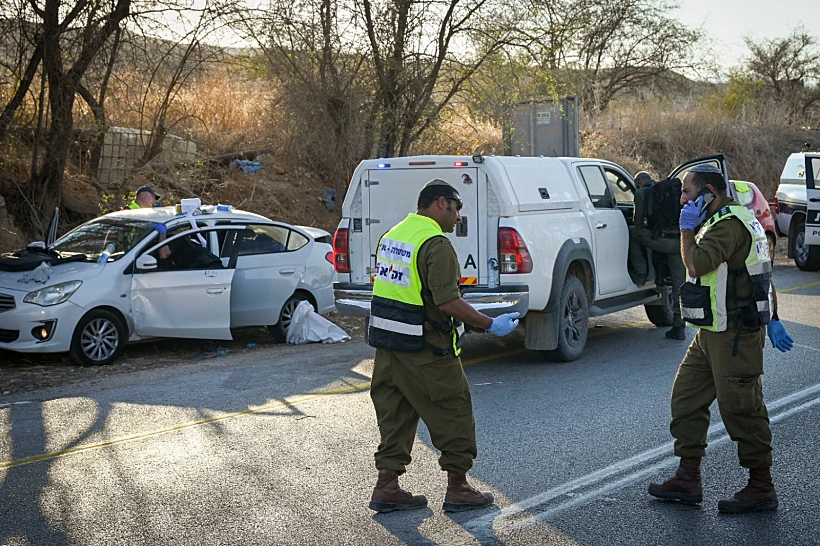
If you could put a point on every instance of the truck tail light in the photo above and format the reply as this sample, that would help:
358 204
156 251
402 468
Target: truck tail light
513 253
341 250
776 205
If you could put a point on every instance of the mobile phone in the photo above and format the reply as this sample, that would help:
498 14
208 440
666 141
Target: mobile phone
708 197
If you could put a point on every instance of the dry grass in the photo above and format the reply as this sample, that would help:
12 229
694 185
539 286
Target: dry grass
458 133
218 110
657 136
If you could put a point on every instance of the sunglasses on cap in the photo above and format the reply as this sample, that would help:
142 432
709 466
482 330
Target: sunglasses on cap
459 202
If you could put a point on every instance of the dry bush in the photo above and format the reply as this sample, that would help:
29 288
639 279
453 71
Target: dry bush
458 133
657 136
221 111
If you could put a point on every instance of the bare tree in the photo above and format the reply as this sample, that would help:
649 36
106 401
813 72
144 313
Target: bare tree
607 48
97 103
21 57
419 61
99 20
790 69
378 72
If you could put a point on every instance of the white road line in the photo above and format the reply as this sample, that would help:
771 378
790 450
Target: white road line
717 435
637 476
3 406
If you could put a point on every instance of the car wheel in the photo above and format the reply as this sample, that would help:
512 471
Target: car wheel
806 257
573 327
279 331
99 339
661 315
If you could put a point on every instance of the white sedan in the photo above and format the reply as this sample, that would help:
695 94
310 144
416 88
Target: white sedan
108 281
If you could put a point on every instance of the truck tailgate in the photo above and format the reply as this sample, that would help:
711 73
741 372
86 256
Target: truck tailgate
390 194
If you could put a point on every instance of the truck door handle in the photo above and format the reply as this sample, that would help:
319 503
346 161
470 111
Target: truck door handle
215 291
288 271
600 225
814 199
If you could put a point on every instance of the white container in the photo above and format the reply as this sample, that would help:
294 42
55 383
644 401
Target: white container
190 204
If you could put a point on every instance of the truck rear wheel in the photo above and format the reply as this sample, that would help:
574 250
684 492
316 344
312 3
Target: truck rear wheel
573 326
806 257
661 315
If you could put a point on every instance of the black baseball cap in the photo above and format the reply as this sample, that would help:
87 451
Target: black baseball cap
149 190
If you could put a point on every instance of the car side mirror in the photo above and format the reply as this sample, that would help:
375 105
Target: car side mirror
40 245
146 262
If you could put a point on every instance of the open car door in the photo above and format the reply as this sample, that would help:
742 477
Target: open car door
718 161
812 199
183 302
51 232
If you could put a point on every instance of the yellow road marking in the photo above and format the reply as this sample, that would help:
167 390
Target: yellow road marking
258 409
793 288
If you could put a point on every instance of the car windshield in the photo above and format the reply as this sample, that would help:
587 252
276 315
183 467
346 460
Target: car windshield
92 238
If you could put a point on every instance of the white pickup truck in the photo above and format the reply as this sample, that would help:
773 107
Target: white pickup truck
797 207
547 237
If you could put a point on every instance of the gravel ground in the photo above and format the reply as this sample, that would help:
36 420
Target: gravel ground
26 372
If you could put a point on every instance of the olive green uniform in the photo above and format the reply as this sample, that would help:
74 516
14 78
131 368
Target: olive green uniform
665 243
709 370
407 386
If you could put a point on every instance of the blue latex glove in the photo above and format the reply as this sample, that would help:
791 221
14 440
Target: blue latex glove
504 324
780 338
161 229
691 216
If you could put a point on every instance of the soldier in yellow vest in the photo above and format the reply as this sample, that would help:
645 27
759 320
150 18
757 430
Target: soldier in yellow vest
147 198
730 298
416 320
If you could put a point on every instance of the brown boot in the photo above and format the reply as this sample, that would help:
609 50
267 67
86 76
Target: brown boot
758 496
684 486
388 496
462 496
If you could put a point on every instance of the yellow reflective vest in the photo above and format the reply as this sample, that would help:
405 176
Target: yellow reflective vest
703 299
397 310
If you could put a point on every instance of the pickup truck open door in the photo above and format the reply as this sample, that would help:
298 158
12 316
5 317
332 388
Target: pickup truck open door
812 199
718 160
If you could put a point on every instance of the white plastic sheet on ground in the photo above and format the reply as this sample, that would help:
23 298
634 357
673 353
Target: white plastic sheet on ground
308 326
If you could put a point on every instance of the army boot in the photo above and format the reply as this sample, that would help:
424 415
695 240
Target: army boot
758 496
462 496
684 486
388 496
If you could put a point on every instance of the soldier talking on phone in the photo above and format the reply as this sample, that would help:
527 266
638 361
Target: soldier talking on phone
730 298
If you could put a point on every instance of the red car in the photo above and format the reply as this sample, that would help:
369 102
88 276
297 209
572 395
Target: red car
749 195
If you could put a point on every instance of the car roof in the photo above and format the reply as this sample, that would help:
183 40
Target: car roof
314 231
164 214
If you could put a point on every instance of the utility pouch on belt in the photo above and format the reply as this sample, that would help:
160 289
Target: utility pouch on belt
696 304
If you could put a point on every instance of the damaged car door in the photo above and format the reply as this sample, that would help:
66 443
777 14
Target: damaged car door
190 298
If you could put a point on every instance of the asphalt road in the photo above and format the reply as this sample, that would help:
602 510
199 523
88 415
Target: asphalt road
275 447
